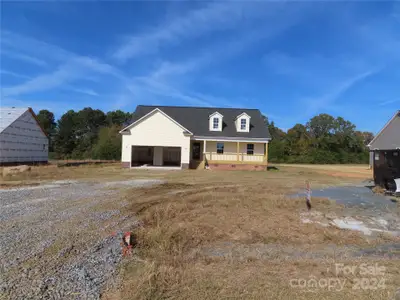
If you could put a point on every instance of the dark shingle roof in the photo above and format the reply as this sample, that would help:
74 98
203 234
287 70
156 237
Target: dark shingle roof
196 119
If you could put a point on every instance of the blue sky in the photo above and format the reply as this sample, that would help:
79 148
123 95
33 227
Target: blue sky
292 60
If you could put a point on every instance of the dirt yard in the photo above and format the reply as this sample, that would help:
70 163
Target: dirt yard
201 235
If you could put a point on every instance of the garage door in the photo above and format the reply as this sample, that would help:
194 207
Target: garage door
172 156
142 155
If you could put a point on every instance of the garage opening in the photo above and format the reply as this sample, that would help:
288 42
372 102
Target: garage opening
171 156
156 156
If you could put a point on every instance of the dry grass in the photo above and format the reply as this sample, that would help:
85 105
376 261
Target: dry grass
184 219
187 222
51 172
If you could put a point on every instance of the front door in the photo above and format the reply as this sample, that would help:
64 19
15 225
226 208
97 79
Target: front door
196 151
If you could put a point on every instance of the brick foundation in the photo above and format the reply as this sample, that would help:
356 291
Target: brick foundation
126 164
237 167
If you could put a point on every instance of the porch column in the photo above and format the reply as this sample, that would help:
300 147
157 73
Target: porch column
204 150
266 153
237 151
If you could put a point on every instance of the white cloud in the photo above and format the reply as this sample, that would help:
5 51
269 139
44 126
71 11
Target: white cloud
313 105
23 44
145 86
24 57
387 102
216 16
71 67
164 80
84 91
13 74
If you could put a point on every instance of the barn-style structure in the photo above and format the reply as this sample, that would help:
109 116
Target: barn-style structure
22 140
386 153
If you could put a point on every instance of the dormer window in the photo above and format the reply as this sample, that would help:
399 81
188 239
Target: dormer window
243 122
215 121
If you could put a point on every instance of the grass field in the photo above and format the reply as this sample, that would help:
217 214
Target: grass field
237 235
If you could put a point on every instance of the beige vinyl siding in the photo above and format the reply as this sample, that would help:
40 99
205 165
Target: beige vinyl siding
156 130
24 141
230 147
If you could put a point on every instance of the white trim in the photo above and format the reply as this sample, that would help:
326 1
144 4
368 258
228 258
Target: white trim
231 139
152 112
383 129
211 119
216 113
243 114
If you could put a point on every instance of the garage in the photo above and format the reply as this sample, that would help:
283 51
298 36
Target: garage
172 156
155 156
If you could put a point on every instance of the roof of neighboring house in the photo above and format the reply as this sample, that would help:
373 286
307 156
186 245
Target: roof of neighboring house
9 115
196 119
389 137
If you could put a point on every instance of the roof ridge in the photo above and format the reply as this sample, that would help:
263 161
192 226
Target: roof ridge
203 107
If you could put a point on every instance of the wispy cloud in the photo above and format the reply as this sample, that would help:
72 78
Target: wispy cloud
314 105
24 57
14 74
216 16
167 76
387 102
64 74
150 86
84 91
71 67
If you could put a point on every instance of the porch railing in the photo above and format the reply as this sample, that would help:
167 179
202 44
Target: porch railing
242 157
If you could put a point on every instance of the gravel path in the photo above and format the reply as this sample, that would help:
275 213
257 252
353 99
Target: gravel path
56 242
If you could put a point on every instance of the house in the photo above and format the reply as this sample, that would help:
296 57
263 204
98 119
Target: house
386 153
22 140
196 137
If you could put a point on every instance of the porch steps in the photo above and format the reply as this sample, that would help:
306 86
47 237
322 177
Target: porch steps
197 164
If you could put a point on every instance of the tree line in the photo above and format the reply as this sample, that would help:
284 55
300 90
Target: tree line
322 140
88 133
91 133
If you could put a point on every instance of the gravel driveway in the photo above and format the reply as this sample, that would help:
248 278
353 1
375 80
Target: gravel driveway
56 241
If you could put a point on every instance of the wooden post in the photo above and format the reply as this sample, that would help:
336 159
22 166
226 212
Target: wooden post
237 151
204 150
266 153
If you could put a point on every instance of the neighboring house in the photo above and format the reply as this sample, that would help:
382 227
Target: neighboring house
386 152
22 140
196 137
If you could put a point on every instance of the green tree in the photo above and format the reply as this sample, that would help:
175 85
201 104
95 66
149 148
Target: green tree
321 125
48 124
117 117
65 137
87 123
108 145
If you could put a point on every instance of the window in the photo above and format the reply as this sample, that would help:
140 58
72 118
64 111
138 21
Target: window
250 149
44 147
242 124
215 123
376 155
395 153
220 148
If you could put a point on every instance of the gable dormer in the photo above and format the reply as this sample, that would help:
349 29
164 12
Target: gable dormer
242 122
215 121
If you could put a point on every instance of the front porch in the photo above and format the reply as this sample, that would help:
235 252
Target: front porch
232 154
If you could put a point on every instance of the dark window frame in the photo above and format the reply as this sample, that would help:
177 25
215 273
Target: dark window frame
215 123
250 150
220 148
243 125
